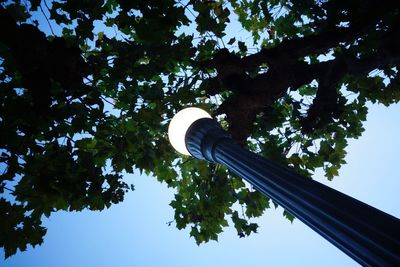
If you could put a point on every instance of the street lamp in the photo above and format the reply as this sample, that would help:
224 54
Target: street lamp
368 235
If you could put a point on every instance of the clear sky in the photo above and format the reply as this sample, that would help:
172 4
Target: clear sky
135 232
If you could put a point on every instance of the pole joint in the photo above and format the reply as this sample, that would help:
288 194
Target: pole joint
202 137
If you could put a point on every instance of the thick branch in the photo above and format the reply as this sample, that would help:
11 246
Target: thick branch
326 104
286 70
291 50
241 109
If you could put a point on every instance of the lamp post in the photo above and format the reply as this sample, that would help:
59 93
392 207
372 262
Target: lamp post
368 235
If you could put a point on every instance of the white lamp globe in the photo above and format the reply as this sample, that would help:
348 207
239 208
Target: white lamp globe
179 125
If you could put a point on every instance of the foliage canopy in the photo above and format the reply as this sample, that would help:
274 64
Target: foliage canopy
81 108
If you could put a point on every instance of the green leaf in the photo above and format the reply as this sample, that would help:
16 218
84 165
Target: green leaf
288 216
242 47
81 110
307 90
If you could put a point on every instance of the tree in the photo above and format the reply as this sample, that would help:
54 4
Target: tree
80 109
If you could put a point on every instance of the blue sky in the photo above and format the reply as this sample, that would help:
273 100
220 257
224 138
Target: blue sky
135 232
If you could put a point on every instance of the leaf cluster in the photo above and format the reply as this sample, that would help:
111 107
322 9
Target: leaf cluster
81 108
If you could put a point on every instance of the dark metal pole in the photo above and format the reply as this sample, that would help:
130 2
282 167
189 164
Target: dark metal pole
368 235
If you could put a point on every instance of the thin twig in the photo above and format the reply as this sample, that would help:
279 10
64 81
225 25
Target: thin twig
106 100
48 22
45 3
6 188
5 170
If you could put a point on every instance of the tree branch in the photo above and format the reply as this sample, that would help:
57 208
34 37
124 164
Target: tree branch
331 36
241 109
